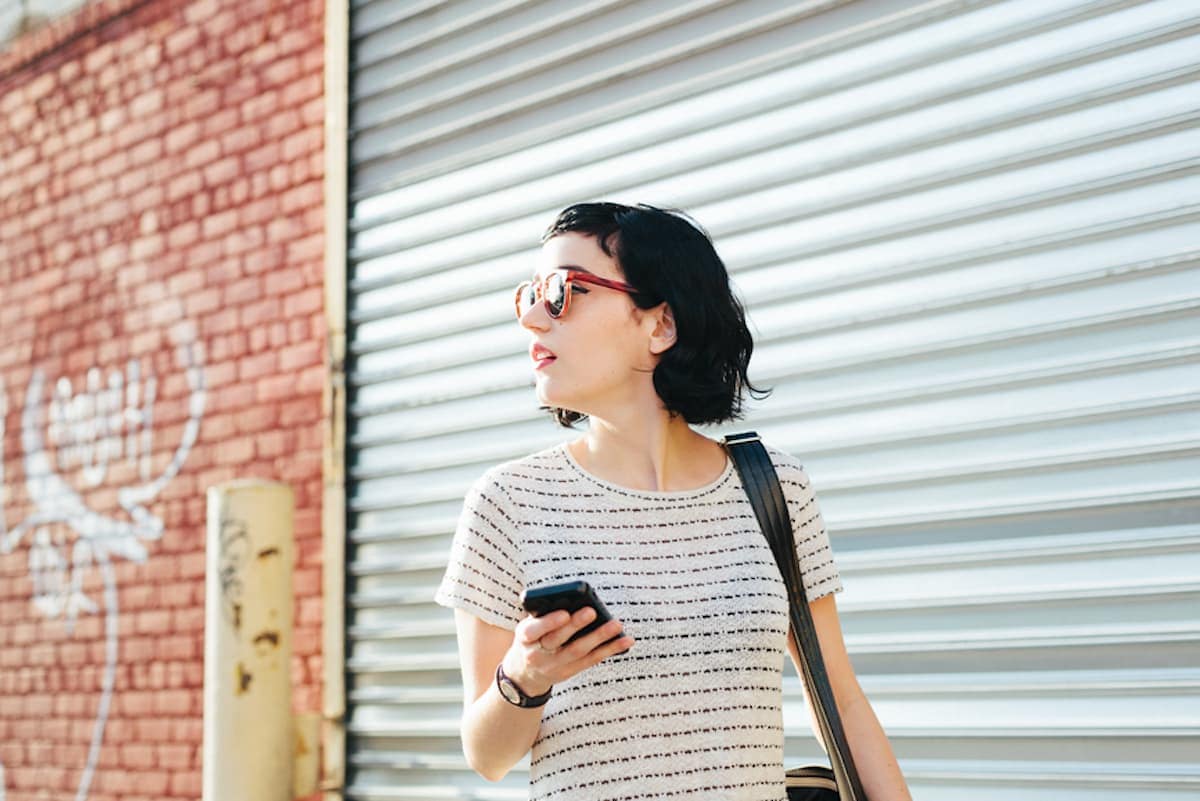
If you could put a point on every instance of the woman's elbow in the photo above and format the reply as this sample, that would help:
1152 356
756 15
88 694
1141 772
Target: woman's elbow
489 771
483 762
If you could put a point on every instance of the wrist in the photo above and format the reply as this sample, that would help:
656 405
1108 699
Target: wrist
531 682
521 692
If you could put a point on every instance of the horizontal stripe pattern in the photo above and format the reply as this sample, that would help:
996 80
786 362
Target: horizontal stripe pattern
693 710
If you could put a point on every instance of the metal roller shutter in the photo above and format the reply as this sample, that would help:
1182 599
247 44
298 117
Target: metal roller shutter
966 233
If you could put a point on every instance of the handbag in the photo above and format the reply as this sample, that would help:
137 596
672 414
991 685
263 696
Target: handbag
813 782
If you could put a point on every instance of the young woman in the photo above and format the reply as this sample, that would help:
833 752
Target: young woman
634 328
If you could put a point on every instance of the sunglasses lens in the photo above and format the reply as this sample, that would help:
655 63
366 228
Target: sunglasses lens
556 294
526 297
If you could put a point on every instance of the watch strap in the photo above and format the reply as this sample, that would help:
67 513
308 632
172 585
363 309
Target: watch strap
526 701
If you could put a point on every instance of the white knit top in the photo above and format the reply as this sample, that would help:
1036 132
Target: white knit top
692 710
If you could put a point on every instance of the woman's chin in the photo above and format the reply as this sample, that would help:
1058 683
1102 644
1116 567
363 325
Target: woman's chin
553 400
546 397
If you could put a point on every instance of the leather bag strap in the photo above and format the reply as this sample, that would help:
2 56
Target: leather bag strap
761 482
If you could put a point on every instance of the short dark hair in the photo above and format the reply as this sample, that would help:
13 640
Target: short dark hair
668 256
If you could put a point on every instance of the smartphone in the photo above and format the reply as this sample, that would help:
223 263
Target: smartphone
571 596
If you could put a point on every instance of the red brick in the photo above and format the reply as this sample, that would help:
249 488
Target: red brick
186 785
149 198
176 702
174 757
201 12
189 620
113 119
146 103
307 300
134 704
271 444
222 171
274 388
301 355
137 756
300 412
203 254
241 240
97 58
187 281
182 137
185 185
260 105
192 565
153 783
265 310
241 139
202 153
182 40
153 622
40 86
216 225
180 648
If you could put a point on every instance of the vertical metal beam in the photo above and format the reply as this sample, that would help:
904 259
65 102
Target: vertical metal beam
333 506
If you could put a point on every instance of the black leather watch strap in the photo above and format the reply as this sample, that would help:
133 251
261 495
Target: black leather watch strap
511 692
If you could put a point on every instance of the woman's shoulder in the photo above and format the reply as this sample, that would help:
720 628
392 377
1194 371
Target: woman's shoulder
788 465
521 472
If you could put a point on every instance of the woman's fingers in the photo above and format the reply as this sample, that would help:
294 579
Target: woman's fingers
605 641
551 660
532 629
558 631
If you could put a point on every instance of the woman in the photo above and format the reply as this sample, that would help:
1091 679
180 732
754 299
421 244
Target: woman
633 326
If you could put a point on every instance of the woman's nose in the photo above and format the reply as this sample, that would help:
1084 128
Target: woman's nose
535 318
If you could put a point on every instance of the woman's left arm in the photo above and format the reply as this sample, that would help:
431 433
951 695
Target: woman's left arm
873 756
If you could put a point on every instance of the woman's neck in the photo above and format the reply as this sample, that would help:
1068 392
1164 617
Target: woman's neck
654 453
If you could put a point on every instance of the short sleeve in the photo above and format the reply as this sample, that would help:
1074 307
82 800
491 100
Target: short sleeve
821 576
484 575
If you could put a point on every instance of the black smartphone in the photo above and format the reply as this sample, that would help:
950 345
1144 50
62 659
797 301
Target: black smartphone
571 596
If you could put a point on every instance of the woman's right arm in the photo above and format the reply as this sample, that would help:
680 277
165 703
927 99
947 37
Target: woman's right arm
495 733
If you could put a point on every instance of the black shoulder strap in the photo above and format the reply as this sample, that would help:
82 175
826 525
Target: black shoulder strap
758 476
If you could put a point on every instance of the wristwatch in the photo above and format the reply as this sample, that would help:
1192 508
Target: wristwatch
514 694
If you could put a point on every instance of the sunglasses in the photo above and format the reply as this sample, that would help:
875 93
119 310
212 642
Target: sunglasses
555 291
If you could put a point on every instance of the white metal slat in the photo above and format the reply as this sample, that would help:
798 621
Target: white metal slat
1093 384
820 70
930 84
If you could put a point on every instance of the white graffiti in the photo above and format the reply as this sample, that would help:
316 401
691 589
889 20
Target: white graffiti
86 427
105 423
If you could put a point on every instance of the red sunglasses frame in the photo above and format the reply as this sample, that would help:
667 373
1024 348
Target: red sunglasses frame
539 291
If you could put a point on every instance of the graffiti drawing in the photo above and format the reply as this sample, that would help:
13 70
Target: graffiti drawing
106 422
235 546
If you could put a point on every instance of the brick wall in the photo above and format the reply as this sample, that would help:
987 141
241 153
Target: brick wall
161 330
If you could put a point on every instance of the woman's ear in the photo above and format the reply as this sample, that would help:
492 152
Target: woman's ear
662 337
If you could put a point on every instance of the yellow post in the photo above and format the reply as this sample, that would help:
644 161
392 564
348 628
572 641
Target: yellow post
248 736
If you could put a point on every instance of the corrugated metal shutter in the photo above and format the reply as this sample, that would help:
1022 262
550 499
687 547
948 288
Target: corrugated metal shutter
967 236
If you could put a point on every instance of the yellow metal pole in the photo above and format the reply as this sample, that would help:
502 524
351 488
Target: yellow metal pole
248 735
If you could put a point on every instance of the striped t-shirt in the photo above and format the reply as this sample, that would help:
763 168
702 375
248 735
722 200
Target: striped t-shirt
692 710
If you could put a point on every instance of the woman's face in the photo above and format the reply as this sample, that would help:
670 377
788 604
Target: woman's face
601 357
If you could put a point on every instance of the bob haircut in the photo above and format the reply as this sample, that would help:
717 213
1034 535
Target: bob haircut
668 256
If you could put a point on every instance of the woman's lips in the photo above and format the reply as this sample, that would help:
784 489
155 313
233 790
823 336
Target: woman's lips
541 355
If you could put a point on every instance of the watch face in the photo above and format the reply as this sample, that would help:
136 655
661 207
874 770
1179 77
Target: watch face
510 693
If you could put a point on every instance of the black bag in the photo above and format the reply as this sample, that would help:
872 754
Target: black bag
811 783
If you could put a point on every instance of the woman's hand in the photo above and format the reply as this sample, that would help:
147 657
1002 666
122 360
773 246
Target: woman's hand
539 656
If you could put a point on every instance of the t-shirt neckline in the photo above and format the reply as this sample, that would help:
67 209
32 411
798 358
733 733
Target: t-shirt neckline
650 494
